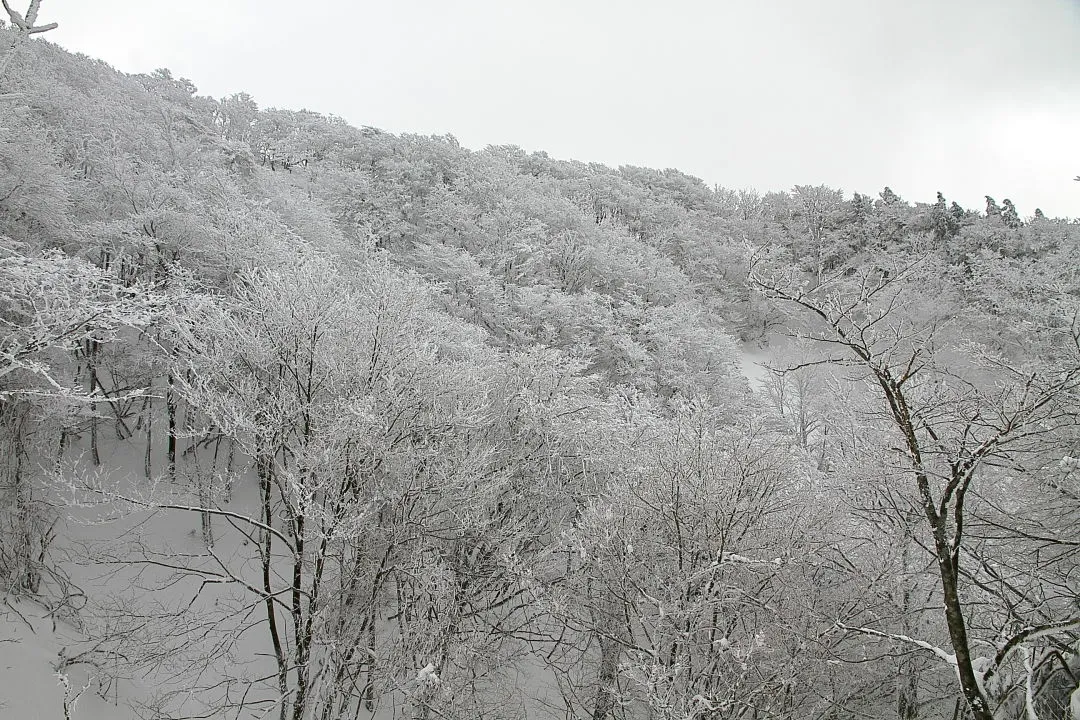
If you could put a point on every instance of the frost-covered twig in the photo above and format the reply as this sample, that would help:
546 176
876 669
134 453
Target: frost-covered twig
28 23
21 27
1029 633
941 654
69 699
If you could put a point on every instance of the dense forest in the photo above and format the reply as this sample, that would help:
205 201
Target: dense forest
303 420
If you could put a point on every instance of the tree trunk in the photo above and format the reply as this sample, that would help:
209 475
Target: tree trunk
170 404
947 570
608 674
302 651
263 465
148 414
203 482
954 618
93 386
24 534
907 674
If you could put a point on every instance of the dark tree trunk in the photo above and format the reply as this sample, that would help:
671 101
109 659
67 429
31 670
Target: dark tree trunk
946 545
170 404
93 386
148 415
608 673
264 469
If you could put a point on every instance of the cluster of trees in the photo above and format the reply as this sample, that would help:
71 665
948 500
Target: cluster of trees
462 434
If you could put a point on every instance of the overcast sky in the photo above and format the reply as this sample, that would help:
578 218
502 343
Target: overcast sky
970 97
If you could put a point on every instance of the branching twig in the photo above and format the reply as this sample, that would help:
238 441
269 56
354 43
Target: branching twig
922 644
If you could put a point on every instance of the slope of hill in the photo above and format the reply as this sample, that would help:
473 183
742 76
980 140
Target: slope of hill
392 428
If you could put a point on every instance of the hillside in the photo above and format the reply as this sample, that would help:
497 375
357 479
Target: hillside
305 420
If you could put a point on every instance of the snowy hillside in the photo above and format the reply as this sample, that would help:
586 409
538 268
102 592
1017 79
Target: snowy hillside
306 421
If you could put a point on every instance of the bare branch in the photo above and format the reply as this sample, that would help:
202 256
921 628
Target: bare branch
1028 633
922 644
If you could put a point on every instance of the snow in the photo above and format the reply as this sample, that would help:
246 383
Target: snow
30 650
752 361
427 676
29 684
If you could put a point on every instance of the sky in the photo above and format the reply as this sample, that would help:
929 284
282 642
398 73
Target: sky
969 97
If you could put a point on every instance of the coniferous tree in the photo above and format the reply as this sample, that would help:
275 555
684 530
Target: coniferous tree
945 224
888 197
1010 215
958 213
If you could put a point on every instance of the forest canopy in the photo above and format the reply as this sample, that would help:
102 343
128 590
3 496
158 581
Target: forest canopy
306 420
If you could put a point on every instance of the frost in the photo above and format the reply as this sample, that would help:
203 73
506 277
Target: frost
427 676
702 702
981 665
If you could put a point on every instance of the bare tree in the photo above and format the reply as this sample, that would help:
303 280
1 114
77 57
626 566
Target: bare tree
22 27
959 411
396 500
49 306
681 602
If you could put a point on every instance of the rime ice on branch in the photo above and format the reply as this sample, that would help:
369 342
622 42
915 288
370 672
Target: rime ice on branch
22 26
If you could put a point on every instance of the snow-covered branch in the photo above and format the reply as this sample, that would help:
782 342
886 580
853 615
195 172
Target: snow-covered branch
921 644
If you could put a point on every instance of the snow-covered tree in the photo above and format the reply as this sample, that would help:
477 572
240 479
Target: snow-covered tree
967 412
50 306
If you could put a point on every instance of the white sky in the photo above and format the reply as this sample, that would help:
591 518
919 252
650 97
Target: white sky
970 97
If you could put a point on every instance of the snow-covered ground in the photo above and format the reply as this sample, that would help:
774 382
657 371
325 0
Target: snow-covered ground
30 687
752 361
32 645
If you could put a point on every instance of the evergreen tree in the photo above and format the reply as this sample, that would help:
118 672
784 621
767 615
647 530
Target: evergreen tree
860 208
888 197
1009 214
945 224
